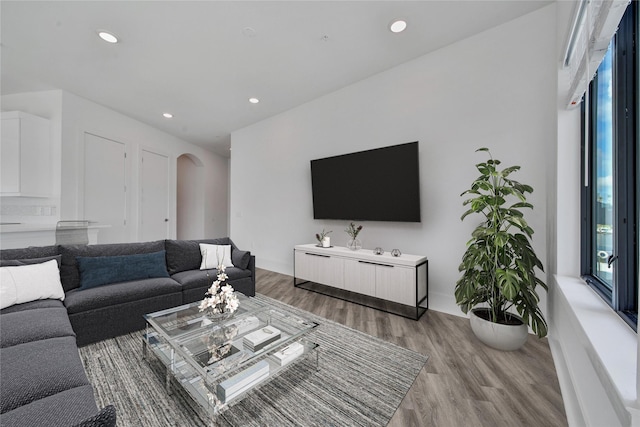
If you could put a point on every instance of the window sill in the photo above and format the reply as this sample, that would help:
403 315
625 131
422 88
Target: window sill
611 344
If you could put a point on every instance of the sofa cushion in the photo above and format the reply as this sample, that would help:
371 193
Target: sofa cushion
69 273
103 270
62 409
183 255
30 252
33 325
215 255
118 293
24 283
33 305
105 418
38 369
29 261
111 321
204 278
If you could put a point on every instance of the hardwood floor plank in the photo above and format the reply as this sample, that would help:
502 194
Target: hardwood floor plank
464 382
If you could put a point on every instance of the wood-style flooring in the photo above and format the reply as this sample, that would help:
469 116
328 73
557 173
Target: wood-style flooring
464 382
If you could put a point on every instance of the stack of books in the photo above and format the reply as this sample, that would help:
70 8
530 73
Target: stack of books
243 381
288 354
261 338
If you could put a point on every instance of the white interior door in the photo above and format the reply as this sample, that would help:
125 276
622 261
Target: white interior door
154 196
105 193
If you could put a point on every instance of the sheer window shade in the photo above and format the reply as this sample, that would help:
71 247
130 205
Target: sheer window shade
595 23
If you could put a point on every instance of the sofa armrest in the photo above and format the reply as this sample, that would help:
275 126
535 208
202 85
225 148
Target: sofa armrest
252 267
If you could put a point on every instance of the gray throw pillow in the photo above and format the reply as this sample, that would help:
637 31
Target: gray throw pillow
240 258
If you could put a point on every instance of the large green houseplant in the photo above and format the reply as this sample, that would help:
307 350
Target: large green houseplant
499 265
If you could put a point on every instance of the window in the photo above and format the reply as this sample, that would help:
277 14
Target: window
610 194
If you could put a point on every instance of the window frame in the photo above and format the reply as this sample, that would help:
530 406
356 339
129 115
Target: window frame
624 296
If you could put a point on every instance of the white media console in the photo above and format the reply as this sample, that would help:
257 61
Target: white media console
400 280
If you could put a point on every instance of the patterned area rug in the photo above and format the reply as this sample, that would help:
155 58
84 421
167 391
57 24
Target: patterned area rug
361 381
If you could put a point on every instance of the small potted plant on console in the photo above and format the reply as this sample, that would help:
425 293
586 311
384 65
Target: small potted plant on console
323 239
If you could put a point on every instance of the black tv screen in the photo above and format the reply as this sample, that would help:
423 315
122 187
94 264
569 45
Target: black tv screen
376 185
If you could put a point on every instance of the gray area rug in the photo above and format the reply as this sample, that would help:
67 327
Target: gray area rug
361 382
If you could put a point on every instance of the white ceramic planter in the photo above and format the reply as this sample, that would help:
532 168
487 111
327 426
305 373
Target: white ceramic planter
498 336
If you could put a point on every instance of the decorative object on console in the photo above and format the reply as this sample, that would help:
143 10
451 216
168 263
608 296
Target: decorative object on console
323 239
378 251
396 252
354 243
499 265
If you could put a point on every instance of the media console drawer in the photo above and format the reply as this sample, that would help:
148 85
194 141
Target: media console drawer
402 280
320 268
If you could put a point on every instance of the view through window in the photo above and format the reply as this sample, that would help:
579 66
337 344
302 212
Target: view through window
603 172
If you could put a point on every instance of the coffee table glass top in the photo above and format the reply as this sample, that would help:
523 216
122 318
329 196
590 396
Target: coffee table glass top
206 355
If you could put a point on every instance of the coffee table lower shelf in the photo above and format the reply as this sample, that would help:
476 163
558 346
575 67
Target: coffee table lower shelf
207 394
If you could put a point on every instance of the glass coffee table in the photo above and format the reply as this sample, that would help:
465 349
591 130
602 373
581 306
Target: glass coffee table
218 361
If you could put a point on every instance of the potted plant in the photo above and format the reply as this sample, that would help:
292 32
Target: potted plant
323 239
499 265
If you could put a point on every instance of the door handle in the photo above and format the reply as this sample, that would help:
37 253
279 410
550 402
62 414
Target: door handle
611 259
166 220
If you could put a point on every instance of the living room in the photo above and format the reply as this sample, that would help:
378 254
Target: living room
502 87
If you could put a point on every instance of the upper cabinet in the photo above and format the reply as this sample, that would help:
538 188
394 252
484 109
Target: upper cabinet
25 156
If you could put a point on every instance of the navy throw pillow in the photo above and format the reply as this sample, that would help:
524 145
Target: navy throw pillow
103 270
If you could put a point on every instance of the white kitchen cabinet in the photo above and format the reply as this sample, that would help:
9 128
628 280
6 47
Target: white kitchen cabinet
402 280
25 156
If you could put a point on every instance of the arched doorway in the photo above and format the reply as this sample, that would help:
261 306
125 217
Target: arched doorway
190 197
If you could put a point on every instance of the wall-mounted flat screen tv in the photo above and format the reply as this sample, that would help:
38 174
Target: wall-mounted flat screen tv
382 184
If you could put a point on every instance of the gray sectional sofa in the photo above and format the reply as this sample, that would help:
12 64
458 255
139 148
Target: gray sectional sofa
42 379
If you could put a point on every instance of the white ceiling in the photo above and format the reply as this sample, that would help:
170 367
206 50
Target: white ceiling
192 58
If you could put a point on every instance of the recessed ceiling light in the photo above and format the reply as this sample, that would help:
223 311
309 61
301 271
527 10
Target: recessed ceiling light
254 100
167 115
249 32
397 26
107 36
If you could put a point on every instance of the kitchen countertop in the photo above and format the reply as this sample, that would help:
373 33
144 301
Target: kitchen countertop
25 228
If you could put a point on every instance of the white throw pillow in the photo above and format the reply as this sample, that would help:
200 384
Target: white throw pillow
25 283
213 255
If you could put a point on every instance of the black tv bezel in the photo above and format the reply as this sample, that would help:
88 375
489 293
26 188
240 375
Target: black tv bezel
412 220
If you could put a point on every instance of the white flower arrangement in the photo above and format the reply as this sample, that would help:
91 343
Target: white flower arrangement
220 298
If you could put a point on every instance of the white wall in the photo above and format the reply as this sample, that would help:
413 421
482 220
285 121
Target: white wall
190 204
496 89
81 115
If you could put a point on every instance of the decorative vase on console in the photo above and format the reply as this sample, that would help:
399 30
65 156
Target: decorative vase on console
354 243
